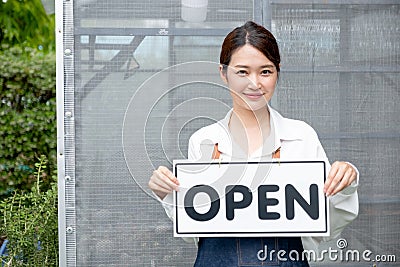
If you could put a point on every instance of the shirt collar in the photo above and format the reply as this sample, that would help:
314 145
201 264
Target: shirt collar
283 130
280 129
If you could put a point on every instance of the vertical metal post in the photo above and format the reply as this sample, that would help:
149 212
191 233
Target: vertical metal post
344 76
65 132
267 14
257 11
60 131
267 23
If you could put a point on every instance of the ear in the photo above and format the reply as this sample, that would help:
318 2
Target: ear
223 74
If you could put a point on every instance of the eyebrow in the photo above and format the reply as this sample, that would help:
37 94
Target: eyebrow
261 67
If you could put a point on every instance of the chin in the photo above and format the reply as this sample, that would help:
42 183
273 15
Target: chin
257 107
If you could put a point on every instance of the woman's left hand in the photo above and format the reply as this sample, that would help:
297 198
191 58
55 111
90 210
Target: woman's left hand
340 176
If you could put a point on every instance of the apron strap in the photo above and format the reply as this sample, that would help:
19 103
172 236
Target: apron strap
216 153
277 153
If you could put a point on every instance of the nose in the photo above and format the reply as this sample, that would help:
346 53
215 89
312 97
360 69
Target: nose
254 82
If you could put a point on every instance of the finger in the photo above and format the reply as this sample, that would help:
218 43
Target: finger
168 173
159 191
343 183
157 187
353 175
164 181
348 177
335 181
161 186
332 173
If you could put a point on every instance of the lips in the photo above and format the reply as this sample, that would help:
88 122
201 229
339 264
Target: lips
253 96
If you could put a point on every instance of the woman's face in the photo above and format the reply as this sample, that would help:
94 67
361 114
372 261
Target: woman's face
251 78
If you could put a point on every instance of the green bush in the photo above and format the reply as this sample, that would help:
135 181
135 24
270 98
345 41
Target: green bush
27 116
26 22
30 224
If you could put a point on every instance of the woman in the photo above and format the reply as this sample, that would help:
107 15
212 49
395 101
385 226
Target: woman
252 130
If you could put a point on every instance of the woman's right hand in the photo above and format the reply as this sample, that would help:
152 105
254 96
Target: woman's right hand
163 182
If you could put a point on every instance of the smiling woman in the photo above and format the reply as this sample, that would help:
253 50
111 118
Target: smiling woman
253 131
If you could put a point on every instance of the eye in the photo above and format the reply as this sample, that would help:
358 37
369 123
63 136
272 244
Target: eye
241 72
266 72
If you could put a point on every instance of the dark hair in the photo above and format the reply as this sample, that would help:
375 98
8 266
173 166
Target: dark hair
255 35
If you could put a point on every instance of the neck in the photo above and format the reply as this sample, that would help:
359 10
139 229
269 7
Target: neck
252 119
250 128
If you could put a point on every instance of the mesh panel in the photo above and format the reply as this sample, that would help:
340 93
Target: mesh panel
340 65
342 78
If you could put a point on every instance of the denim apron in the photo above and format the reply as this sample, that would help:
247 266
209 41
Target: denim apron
249 251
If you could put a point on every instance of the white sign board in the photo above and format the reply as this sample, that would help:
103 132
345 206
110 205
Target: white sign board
274 198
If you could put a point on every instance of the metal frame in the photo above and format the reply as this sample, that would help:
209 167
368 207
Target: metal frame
59 10
65 34
65 132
